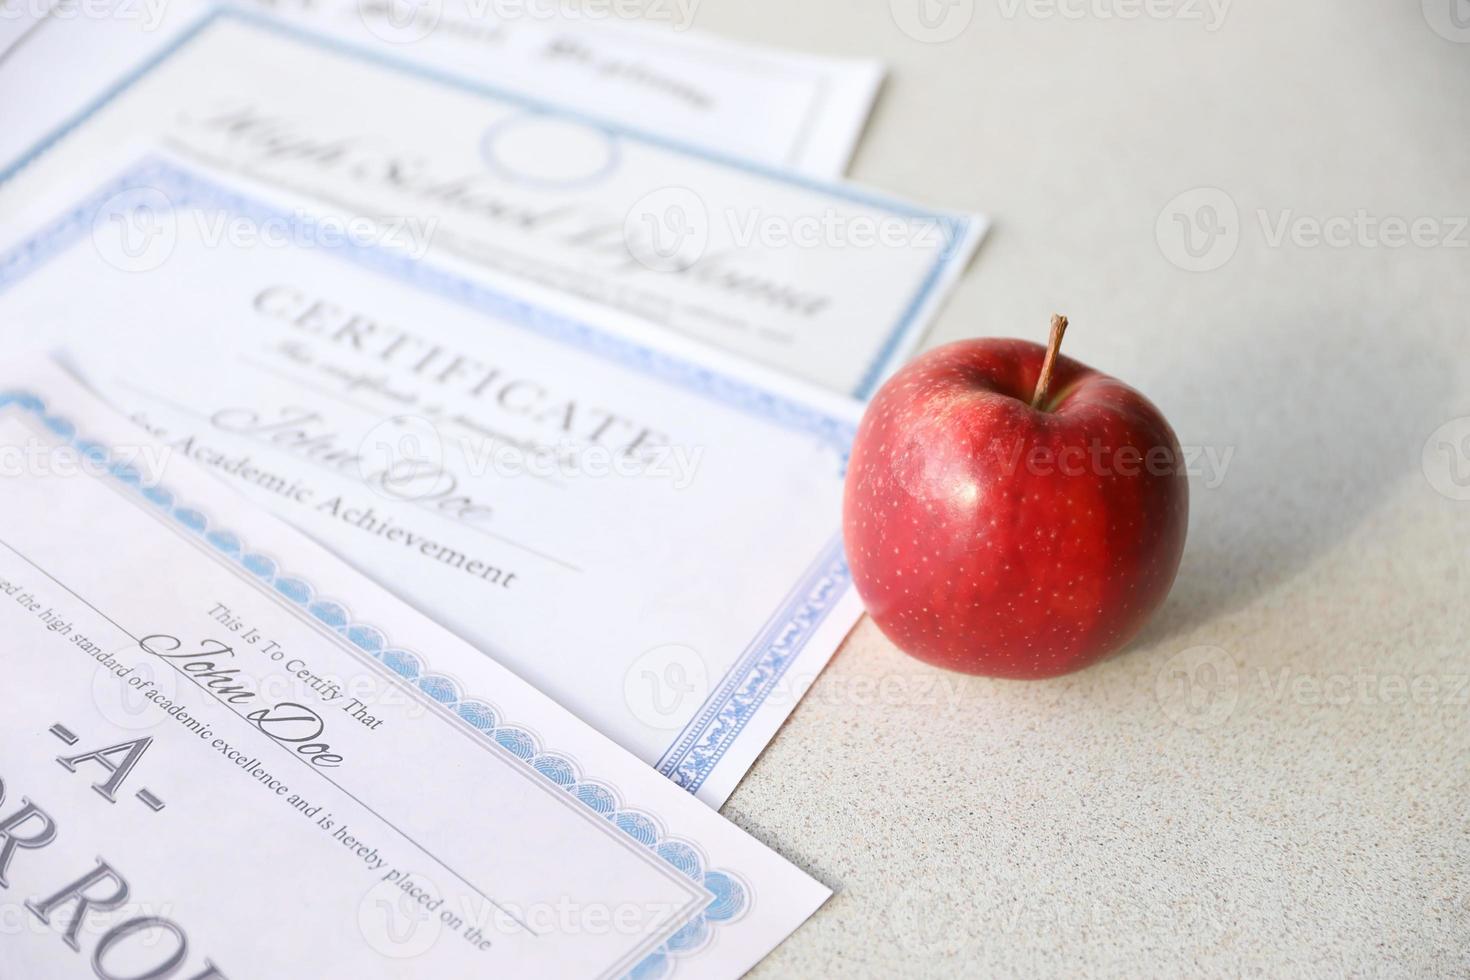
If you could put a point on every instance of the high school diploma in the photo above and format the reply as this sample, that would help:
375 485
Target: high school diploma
821 280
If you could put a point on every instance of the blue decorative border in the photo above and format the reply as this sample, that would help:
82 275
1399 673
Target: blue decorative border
698 749
730 897
142 183
747 685
955 228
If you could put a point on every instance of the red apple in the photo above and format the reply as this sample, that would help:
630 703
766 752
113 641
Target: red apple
1011 512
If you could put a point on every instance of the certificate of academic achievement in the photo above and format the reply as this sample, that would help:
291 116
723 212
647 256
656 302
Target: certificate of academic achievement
823 281
644 531
224 754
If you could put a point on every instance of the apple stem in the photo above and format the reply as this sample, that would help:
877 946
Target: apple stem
1053 345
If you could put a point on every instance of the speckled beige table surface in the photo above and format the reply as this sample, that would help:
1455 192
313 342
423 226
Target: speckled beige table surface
1275 779
1258 213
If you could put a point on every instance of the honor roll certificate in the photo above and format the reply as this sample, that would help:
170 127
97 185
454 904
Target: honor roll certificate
225 754
646 535
820 280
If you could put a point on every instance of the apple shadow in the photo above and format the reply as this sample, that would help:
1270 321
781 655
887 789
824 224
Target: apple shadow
1318 431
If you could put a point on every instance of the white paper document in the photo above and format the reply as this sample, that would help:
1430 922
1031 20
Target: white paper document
645 532
224 754
662 76
824 281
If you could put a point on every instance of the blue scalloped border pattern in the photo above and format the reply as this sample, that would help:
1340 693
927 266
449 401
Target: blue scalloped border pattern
730 897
